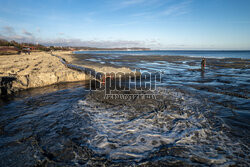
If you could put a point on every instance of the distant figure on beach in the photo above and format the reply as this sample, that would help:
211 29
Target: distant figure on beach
203 64
28 50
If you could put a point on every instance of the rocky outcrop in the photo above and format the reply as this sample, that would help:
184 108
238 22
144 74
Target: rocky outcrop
42 79
18 72
6 85
36 70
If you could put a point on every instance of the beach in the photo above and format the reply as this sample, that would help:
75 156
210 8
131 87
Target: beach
125 83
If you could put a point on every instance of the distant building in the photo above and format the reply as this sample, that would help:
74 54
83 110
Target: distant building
29 48
72 49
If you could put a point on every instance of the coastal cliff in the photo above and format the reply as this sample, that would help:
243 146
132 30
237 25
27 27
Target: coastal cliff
39 69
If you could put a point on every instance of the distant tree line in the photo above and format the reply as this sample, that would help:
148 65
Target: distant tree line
11 43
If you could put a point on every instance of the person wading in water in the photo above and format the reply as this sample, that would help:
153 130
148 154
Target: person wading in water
203 64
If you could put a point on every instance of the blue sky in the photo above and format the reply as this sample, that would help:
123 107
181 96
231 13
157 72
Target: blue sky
158 24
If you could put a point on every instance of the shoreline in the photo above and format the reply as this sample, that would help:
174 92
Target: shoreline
212 103
39 69
232 63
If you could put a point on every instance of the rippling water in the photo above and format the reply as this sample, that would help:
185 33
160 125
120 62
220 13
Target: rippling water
175 120
196 119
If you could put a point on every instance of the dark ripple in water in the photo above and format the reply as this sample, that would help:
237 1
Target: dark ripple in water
68 127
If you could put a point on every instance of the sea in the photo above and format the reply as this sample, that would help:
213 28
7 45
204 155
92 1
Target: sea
197 118
243 54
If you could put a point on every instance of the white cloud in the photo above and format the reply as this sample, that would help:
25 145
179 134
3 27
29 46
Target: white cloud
171 10
25 32
94 43
61 33
8 30
38 29
127 3
177 9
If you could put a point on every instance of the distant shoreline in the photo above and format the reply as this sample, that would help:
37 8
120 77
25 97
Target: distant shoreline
171 50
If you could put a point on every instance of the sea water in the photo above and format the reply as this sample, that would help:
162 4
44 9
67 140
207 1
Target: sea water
244 54
197 119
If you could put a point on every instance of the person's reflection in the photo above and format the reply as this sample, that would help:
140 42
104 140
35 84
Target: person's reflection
202 73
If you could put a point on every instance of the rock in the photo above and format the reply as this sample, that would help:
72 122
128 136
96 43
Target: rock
37 70
6 85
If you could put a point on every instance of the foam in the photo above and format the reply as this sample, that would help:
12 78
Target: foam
181 124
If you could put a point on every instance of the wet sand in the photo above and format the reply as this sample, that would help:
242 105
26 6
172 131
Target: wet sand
224 83
235 63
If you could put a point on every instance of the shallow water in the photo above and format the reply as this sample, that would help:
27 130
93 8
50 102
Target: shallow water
196 119
128 133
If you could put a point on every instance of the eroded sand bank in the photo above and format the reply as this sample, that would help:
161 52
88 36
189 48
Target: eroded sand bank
41 69
98 67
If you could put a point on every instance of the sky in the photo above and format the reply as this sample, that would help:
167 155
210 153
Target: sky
155 24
